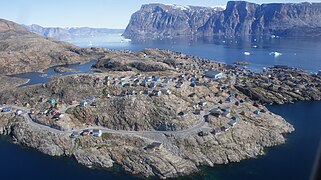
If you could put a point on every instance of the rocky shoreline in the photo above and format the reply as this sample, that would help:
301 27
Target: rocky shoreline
165 135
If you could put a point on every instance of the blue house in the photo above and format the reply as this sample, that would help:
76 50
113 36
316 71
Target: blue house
213 74
152 85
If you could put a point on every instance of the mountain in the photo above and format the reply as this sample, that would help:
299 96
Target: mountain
64 33
238 19
159 20
23 51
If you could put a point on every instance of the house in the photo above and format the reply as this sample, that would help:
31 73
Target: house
235 118
197 112
213 74
216 131
216 112
156 93
122 83
132 92
202 103
19 112
229 99
57 116
83 103
203 133
166 91
107 78
155 146
85 132
183 113
147 92
152 85
225 127
193 84
74 134
52 101
155 78
97 132
231 123
257 112
94 104
7 109
179 85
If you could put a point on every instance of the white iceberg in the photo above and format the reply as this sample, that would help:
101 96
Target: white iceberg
275 54
247 53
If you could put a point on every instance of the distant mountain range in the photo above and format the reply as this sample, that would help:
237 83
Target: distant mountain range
65 33
238 19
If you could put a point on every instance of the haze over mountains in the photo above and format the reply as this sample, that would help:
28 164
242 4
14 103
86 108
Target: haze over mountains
65 33
238 19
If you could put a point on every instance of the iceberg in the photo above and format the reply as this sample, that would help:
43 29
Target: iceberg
275 54
247 53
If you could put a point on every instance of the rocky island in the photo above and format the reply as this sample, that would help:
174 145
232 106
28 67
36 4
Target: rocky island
153 112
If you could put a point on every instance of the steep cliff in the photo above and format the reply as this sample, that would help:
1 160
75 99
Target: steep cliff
159 20
239 18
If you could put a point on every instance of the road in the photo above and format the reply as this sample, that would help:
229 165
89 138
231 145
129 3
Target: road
195 128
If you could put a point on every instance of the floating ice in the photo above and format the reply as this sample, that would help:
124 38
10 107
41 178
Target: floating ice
275 54
247 53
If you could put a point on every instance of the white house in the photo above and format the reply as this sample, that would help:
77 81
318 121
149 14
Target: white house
213 74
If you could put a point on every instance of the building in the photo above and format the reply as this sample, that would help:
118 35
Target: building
155 146
183 113
213 74
74 134
235 118
231 123
216 112
97 132
257 112
152 85
319 73
91 99
197 112
83 103
166 91
19 112
7 109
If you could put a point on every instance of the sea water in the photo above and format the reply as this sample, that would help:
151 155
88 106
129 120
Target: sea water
293 160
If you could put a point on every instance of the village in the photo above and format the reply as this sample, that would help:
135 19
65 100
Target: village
219 110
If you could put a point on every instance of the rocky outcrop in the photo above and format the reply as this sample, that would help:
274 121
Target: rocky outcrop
67 33
22 51
279 85
238 19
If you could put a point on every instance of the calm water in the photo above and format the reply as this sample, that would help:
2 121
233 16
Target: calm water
45 76
294 160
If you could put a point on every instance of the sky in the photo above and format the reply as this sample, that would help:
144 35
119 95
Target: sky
90 13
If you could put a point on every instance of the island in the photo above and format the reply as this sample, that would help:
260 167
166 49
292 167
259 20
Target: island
153 112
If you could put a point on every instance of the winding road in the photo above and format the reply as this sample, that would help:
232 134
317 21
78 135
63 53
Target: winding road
195 128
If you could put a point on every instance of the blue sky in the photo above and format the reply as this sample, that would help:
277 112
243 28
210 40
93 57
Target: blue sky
90 13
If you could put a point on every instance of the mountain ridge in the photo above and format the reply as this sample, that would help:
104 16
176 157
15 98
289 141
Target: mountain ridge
238 19
64 33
